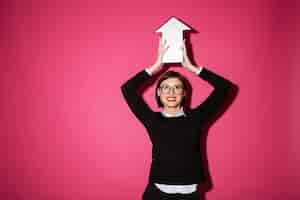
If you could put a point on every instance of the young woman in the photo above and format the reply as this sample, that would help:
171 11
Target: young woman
176 167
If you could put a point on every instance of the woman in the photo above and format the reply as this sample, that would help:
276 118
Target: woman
176 167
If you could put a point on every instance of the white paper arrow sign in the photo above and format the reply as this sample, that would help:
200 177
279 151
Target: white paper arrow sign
172 32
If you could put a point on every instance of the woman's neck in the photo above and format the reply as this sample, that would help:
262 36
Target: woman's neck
172 110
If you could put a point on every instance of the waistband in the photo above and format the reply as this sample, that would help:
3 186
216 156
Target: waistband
190 196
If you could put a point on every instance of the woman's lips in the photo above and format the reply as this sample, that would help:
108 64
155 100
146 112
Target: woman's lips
171 98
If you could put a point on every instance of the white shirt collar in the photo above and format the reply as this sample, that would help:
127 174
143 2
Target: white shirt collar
180 112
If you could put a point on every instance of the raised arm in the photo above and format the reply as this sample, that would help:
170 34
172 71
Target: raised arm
130 88
220 84
216 97
134 100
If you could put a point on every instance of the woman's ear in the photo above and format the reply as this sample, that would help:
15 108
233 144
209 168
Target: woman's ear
184 93
158 92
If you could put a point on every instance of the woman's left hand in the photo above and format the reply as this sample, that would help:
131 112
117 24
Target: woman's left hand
186 61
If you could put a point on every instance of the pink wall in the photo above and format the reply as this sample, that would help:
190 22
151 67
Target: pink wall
66 132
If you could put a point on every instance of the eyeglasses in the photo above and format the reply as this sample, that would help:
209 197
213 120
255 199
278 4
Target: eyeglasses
178 89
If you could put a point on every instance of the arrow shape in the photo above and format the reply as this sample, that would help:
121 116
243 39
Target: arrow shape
172 31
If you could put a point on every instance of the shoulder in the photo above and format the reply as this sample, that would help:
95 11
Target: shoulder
188 111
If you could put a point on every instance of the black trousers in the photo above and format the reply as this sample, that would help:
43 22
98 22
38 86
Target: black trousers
153 193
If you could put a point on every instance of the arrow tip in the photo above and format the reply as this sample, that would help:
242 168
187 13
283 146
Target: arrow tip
173 23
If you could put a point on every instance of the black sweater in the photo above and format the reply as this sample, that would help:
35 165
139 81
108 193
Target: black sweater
176 157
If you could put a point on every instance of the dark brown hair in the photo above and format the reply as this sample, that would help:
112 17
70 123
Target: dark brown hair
171 74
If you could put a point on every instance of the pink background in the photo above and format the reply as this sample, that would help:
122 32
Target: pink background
66 132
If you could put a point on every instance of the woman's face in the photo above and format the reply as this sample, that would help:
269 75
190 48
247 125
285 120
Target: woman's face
171 92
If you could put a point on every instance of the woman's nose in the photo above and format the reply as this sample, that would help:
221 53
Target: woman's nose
172 90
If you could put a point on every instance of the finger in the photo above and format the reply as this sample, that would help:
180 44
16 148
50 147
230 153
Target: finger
183 43
165 41
163 44
181 47
165 49
161 40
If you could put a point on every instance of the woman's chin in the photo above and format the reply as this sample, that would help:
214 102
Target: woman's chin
172 105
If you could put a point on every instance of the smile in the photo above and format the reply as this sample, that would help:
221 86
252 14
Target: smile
171 98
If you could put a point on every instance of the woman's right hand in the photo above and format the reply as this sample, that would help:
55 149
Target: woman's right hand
162 48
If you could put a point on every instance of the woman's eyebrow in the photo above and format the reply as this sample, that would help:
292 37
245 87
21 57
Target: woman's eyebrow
172 85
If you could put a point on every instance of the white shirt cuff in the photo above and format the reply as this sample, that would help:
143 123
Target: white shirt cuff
199 70
148 71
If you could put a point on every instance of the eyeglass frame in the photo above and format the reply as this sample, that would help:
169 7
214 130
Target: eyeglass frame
165 89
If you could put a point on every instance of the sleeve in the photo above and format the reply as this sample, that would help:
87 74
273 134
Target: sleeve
200 68
135 102
148 71
216 97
